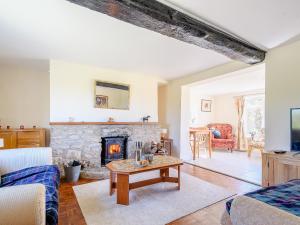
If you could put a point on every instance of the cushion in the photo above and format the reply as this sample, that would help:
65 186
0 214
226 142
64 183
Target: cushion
47 175
216 133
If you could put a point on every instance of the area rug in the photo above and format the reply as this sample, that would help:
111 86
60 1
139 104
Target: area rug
157 204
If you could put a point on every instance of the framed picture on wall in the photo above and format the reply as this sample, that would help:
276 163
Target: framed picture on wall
206 105
101 101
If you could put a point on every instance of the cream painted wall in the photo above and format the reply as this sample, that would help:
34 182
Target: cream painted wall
162 106
197 117
174 98
72 93
282 93
225 110
24 93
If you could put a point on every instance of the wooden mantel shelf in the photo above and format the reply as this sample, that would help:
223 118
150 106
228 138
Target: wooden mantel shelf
103 123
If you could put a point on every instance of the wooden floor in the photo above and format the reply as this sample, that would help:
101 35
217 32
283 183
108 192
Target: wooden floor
70 213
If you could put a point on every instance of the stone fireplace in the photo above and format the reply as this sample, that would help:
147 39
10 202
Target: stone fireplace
113 148
83 141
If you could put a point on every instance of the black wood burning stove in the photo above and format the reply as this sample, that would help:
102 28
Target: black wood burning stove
113 148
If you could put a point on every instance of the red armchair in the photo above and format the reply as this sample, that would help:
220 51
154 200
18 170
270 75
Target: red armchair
226 141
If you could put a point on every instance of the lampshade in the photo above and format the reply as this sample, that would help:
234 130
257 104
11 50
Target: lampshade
164 131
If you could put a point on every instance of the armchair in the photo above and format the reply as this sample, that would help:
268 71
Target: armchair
227 140
25 203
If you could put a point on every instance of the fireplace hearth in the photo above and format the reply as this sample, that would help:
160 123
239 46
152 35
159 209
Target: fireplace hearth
113 148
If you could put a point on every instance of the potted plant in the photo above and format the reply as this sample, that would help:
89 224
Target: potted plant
72 170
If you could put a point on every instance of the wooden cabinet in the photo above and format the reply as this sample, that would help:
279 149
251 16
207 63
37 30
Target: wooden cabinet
9 139
22 138
167 143
279 168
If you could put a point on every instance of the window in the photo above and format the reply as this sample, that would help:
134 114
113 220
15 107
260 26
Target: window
254 116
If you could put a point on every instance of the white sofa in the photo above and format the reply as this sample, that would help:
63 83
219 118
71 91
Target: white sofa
23 204
248 211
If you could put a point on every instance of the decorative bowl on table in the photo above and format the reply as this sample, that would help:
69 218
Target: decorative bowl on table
142 163
149 157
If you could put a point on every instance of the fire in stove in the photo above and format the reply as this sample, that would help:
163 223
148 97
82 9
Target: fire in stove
115 148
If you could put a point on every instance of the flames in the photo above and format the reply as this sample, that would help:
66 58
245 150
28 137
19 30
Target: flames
115 148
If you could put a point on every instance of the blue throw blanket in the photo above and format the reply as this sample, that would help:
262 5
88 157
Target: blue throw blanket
285 197
47 175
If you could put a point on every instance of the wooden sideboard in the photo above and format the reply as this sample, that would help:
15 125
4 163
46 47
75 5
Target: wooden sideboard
22 138
279 168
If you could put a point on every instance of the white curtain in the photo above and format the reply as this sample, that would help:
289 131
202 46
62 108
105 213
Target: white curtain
241 139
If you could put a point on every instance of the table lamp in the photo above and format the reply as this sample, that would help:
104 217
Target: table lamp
164 133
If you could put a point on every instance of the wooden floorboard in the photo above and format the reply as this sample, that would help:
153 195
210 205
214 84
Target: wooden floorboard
70 213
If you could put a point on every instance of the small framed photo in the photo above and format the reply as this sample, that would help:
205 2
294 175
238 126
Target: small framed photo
101 101
206 105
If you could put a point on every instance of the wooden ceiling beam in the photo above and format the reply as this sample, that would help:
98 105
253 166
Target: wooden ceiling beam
158 17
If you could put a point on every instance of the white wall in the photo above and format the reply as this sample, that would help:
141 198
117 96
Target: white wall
24 93
72 93
162 106
197 117
282 93
225 110
185 152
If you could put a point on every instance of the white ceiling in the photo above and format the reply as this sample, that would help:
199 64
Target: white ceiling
57 29
60 30
247 80
265 23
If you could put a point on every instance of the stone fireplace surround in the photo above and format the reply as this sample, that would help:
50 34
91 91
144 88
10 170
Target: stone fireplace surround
81 141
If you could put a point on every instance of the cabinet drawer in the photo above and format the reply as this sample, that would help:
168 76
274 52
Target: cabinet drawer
28 139
29 135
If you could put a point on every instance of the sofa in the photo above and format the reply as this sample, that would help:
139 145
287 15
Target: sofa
276 205
29 187
227 140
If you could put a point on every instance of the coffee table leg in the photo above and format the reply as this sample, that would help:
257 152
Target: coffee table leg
178 178
112 183
123 189
164 172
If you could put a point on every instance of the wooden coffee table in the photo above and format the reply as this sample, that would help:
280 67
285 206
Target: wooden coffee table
121 169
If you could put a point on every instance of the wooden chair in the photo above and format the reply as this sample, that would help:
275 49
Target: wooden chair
200 137
259 145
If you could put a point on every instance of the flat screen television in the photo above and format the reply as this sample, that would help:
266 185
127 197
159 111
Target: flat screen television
295 129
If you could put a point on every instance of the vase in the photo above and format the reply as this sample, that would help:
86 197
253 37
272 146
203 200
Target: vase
72 173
